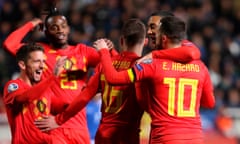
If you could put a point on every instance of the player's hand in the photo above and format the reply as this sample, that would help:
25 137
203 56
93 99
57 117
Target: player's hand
59 66
146 57
46 124
37 22
110 44
100 44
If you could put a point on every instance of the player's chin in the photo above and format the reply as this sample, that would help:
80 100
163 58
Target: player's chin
37 77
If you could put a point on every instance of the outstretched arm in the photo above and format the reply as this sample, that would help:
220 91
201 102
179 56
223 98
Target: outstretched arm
112 76
24 95
186 53
81 100
48 123
14 41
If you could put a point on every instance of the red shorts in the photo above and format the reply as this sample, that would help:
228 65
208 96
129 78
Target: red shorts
72 136
110 134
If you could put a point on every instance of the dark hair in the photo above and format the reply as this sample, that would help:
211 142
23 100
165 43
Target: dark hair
174 28
24 51
52 12
162 13
134 31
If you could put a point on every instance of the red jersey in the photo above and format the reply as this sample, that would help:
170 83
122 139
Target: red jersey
177 92
187 52
121 113
80 57
24 104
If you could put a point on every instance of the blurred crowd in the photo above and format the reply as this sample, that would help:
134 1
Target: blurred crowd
213 25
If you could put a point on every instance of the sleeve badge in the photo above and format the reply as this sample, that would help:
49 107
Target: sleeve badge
12 87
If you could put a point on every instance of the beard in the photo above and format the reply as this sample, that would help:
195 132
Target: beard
160 44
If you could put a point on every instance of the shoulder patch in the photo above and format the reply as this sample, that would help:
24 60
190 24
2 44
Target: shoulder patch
12 87
147 61
139 67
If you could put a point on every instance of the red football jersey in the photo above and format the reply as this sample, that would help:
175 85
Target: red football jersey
23 111
187 52
121 112
177 91
71 81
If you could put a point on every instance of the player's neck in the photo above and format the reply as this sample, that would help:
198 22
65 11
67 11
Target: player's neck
173 45
25 78
137 49
59 46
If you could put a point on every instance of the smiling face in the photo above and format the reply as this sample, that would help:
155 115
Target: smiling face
34 66
57 31
153 31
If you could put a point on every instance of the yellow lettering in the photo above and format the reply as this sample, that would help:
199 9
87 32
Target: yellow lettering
165 66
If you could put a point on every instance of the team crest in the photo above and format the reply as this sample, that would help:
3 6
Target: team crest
68 64
12 87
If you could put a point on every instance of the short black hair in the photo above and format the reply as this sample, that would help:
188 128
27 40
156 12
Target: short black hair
133 31
24 51
174 28
162 13
52 12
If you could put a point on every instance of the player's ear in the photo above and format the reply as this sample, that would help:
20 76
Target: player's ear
22 65
145 41
164 38
121 41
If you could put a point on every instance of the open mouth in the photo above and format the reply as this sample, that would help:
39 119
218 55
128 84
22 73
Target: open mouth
60 36
38 72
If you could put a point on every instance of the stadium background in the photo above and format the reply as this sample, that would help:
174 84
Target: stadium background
213 25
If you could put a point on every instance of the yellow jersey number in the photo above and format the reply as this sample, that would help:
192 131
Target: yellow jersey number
181 112
112 98
65 83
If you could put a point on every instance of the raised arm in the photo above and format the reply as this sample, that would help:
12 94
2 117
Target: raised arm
112 76
14 41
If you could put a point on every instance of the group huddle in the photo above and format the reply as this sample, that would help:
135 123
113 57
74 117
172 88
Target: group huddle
46 103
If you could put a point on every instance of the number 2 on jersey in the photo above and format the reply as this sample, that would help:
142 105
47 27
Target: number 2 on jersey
181 110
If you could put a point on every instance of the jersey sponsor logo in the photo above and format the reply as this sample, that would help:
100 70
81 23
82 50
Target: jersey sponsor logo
12 87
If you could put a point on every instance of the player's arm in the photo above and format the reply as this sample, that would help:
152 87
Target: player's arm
81 100
186 53
25 95
207 99
48 123
93 56
36 91
14 41
111 74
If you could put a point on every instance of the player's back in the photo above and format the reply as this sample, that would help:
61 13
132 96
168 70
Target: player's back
121 113
177 92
